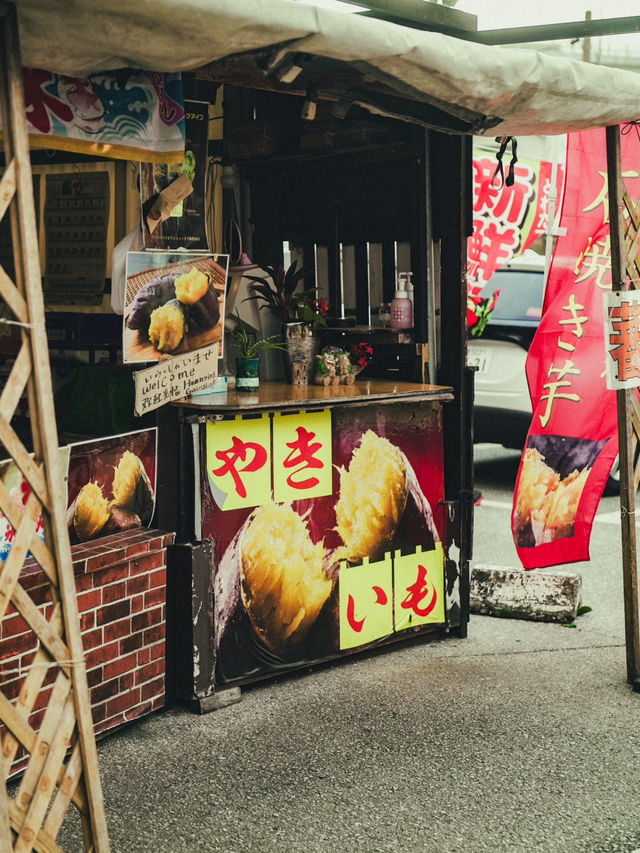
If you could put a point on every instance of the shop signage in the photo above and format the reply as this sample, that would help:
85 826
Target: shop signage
622 338
240 463
507 220
76 220
390 595
573 438
130 115
175 379
324 536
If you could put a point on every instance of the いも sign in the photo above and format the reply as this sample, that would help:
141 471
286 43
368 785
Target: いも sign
390 595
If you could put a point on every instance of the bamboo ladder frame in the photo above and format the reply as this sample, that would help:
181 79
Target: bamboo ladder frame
624 219
62 757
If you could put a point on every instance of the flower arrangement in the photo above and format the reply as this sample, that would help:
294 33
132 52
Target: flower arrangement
479 309
282 296
360 354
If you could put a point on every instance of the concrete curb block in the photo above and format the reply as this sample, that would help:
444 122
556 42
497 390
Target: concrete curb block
519 594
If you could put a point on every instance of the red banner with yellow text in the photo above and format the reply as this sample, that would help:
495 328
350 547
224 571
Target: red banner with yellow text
507 218
573 440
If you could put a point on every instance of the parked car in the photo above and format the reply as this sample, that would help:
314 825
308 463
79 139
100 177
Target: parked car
502 406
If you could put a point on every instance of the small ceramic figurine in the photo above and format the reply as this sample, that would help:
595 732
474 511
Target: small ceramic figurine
333 367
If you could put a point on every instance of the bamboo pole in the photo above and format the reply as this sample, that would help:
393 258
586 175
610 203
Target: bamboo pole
68 715
625 422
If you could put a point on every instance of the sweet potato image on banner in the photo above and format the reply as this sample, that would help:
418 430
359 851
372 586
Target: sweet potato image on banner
381 503
271 581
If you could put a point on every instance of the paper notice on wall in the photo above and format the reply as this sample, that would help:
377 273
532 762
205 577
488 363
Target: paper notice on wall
175 378
622 338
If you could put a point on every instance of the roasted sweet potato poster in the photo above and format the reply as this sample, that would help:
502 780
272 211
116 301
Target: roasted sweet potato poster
309 579
111 485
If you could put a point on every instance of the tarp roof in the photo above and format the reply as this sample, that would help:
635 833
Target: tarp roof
433 79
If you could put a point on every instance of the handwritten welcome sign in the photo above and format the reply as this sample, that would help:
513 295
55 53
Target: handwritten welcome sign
175 378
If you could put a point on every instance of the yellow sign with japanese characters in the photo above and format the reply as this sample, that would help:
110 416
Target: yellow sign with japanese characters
301 455
366 602
239 461
419 587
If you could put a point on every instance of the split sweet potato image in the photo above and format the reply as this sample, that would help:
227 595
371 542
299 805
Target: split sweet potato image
276 587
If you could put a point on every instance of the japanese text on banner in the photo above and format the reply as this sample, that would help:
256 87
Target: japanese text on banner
301 455
572 441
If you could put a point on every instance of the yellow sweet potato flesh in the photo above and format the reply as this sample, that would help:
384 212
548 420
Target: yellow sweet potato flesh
91 512
191 286
373 496
537 482
284 585
125 479
166 328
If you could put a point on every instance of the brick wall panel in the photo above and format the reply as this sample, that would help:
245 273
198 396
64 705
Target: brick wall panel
123 703
121 586
113 612
147 563
120 666
91 639
15 646
150 671
155 596
117 630
114 592
153 635
136 584
158 579
157 651
152 689
132 642
89 600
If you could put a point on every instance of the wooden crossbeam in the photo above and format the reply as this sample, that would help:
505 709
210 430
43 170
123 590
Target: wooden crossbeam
62 763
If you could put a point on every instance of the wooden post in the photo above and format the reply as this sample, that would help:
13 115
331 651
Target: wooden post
63 764
625 423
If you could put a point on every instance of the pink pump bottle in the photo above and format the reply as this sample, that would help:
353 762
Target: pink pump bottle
401 306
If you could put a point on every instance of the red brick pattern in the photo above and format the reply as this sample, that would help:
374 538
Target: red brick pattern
121 594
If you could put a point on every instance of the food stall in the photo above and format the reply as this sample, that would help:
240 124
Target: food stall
347 140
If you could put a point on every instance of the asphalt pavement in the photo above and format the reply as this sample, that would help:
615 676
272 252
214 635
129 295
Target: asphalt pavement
525 736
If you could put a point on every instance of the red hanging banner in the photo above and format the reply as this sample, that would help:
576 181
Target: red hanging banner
507 219
573 439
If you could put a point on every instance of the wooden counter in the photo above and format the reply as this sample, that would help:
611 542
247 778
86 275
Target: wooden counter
281 395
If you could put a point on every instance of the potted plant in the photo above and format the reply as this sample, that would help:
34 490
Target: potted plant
248 362
299 312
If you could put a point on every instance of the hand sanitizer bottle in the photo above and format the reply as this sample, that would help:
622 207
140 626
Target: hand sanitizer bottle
401 307
409 276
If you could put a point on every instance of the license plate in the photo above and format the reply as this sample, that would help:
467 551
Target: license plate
479 357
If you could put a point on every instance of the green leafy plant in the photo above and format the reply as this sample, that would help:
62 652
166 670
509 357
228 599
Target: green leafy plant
278 292
249 346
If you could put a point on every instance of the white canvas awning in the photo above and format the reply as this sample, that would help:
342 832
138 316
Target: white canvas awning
433 79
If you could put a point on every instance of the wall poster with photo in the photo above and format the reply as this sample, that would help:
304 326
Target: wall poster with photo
174 304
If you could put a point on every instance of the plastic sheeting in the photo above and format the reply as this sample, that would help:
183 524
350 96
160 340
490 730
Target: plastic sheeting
493 90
